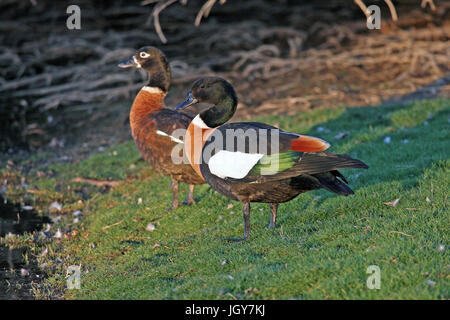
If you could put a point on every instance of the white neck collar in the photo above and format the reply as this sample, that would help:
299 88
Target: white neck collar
138 65
152 89
198 121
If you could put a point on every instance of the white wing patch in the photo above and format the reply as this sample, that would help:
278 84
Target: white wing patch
233 164
162 133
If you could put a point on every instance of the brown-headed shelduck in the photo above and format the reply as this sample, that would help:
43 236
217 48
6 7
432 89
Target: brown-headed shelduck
256 162
152 123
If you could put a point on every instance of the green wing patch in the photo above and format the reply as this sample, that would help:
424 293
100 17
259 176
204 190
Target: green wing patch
275 163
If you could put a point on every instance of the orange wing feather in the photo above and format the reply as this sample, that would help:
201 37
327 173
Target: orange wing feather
309 144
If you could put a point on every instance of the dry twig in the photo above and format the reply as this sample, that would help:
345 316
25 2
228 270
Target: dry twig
205 10
112 225
155 14
428 2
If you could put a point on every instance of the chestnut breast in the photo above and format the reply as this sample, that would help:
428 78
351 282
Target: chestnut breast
152 126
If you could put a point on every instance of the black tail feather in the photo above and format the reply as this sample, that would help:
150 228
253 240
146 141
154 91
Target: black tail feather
329 181
324 162
338 174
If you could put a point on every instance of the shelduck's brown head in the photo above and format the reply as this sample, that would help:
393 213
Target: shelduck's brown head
216 92
155 63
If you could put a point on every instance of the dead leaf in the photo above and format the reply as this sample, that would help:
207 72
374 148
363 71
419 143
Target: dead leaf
392 203
24 272
43 253
58 234
55 206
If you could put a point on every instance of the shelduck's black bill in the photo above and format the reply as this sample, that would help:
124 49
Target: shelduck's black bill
128 64
190 100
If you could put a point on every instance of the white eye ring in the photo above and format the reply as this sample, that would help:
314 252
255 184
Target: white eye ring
144 55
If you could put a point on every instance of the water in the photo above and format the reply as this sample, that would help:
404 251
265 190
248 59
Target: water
17 274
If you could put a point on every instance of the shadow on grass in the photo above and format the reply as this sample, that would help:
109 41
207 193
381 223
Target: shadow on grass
398 142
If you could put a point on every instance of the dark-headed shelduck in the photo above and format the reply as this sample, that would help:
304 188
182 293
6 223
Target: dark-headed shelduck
152 124
256 162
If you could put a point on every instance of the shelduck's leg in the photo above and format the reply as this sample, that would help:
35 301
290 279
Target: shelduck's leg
273 215
190 196
246 213
174 186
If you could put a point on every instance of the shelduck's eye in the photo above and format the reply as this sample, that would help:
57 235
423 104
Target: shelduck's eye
144 55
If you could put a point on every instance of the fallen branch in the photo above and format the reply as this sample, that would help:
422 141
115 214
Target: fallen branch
97 183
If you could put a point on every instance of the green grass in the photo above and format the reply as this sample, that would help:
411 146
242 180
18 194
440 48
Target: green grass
323 244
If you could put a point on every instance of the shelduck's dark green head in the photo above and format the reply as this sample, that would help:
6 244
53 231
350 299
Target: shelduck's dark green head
153 61
216 92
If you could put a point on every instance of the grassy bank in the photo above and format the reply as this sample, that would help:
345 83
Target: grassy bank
322 246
